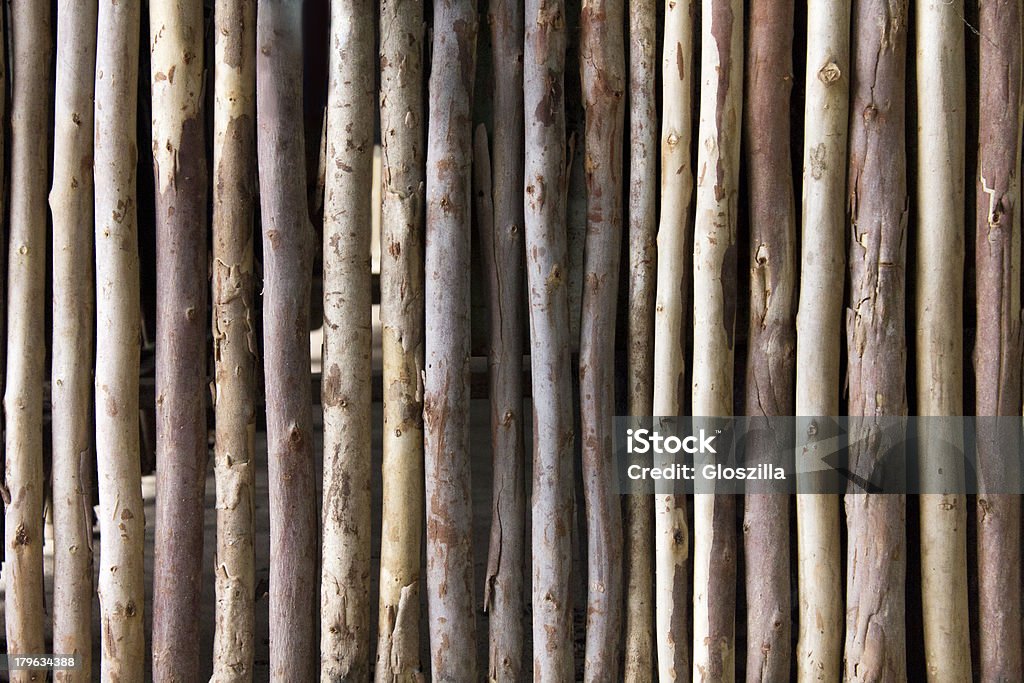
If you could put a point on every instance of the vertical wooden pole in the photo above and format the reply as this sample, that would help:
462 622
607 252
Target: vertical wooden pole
179 167
602 66
997 349
714 320
26 337
671 529
402 127
234 345
638 510
939 273
502 251
546 180
346 394
771 346
446 379
288 244
819 321
71 203
118 327
875 646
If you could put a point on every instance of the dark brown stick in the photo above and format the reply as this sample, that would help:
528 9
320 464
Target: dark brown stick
288 244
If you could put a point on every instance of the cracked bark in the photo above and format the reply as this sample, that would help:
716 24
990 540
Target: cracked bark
997 350
876 369
939 334
30 50
638 510
234 346
714 320
71 203
180 174
121 517
288 245
602 67
346 393
771 348
819 321
401 316
671 530
446 376
546 181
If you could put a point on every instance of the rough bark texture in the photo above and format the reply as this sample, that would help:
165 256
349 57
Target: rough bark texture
819 324
876 376
602 66
997 350
118 328
502 251
638 510
446 379
288 246
714 321
234 345
30 49
546 181
771 346
179 167
672 533
401 316
939 276
346 394
71 203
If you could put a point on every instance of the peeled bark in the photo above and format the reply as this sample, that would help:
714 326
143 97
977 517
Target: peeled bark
26 335
939 276
602 60
446 380
71 203
875 646
819 321
714 321
288 246
234 345
179 167
546 180
771 346
502 250
672 533
401 317
638 510
997 350
346 394
118 325
501 235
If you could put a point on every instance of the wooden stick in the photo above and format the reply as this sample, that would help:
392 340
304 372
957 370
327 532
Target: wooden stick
71 203
602 66
714 319
672 533
819 320
876 559
939 275
502 250
446 379
771 346
346 394
179 167
638 510
997 349
234 344
288 244
122 524
546 178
